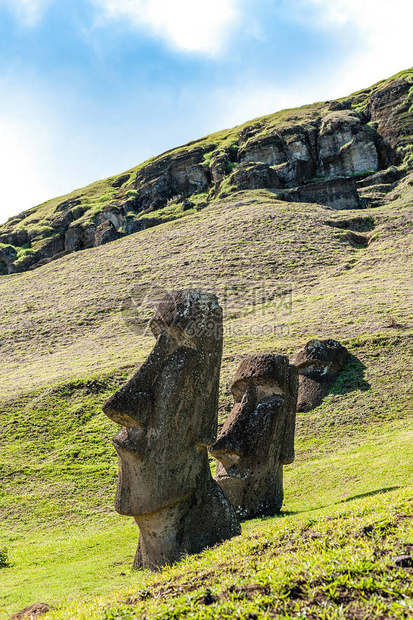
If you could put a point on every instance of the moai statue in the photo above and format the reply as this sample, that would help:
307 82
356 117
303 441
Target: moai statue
318 366
257 438
168 411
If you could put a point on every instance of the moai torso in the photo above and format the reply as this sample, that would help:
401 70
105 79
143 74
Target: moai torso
257 439
168 411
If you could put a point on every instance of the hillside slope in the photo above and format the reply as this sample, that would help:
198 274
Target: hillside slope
284 271
314 153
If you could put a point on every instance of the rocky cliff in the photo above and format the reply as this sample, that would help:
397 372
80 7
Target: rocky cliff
343 154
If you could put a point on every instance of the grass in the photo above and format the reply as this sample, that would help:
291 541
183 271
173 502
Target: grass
337 561
315 565
73 347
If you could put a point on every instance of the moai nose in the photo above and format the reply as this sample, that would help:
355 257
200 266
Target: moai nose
128 408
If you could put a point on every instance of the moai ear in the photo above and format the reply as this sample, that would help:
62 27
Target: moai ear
207 387
287 450
171 386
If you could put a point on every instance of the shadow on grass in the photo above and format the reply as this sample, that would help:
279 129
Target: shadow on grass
278 515
369 494
286 513
351 378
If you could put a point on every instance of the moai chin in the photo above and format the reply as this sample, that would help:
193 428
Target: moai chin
257 438
318 366
168 410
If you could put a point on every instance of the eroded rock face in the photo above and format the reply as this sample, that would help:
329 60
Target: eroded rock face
345 147
257 439
8 255
269 150
335 193
290 154
390 107
168 411
171 175
318 365
255 176
105 233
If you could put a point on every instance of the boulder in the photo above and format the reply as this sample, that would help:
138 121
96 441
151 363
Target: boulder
384 177
187 205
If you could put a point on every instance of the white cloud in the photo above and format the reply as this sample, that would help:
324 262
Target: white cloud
190 25
384 33
34 166
21 157
28 12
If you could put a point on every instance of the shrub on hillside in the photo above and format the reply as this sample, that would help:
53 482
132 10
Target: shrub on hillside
4 557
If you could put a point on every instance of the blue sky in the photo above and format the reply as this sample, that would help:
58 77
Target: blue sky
90 88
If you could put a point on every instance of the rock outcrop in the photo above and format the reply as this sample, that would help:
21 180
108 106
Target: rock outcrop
8 255
325 153
340 193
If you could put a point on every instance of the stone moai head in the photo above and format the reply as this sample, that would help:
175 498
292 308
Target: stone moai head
168 411
257 438
318 366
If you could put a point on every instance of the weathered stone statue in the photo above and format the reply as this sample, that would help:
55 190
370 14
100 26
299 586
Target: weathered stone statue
169 413
257 439
318 366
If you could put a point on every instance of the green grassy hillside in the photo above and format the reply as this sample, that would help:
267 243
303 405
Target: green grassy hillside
69 337
67 345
